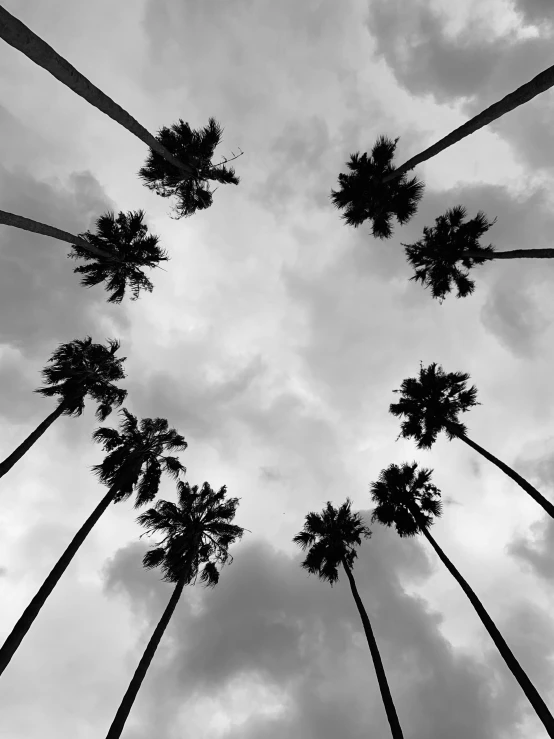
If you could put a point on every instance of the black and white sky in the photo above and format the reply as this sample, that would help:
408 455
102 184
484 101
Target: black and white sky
273 344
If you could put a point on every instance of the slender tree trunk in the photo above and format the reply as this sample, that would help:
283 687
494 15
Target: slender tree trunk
520 675
134 686
10 219
522 482
379 669
523 94
18 632
24 447
513 254
18 35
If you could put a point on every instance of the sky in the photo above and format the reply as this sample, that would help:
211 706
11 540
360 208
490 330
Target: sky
273 343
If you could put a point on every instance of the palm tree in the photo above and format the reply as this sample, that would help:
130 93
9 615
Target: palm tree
435 257
135 460
77 369
363 196
196 146
431 404
121 247
331 537
404 496
523 94
198 531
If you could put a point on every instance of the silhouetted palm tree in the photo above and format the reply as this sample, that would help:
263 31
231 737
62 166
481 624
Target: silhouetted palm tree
198 147
135 460
431 404
364 197
331 537
198 531
406 498
523 94
77 369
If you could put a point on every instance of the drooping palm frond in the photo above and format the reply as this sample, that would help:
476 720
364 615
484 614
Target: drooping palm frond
126 238
363 196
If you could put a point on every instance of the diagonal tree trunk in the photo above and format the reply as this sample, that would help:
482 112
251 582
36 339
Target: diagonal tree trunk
34 436
134 686
521 481
379 669
513 254
523 94
10 219
18 35
516 669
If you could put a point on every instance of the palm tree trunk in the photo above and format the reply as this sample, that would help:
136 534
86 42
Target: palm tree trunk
134 686
13 641
24 447
522 482
513 254
379 669
10 219
18 35
523 94
517 671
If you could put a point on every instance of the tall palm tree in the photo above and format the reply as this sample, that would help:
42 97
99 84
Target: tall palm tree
435 258
363 197
406 498
135 461
121 247
431 404
331 537
198 531
77 370
523 94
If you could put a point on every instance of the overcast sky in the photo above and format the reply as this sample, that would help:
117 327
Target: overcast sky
273 344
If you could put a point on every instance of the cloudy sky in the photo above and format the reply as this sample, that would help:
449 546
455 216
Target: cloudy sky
273 343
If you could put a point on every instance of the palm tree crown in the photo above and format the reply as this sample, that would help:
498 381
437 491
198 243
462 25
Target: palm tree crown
198 531
126 238
81 368
331 537
435 257
133 448
402 491
431 404
363 196
196 148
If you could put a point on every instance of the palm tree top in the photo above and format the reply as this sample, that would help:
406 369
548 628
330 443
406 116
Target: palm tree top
363 196
435 258
406 498
331 536
134 446
80 368
196 147
431 404
126 238
198 532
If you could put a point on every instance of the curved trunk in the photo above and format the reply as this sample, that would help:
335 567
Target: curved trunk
24 447
522 482
10 219
134 686
18 632
516 669
513 254
18 35
379 669
523 94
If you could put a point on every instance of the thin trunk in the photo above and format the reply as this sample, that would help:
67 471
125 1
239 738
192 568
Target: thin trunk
517 671
18 632
379 669
523 94
24 447
10 219
513 254
134 686
18 35
522 482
